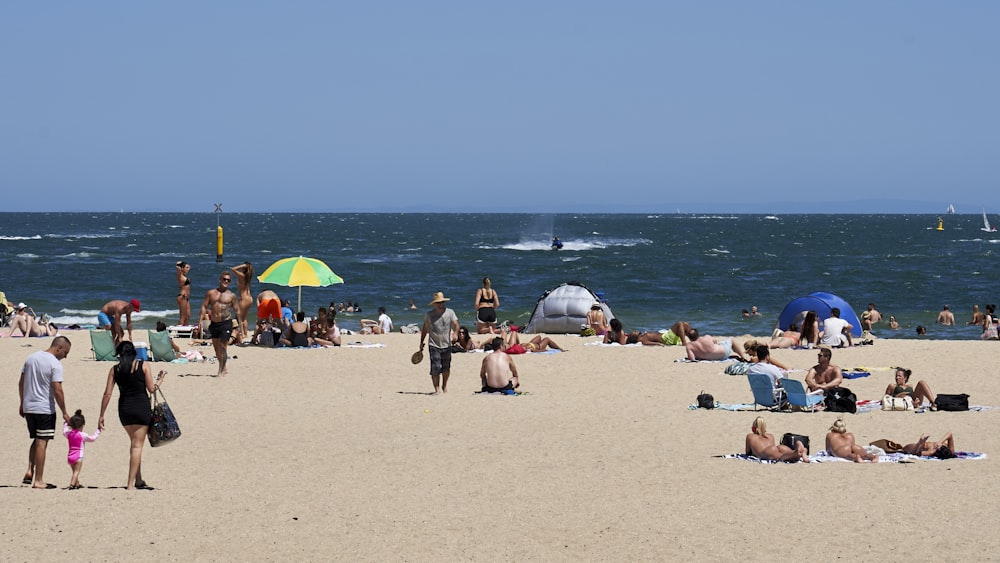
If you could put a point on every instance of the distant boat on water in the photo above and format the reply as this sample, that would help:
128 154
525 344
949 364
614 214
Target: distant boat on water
986 224
951 209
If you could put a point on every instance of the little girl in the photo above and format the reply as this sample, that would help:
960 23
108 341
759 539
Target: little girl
73 430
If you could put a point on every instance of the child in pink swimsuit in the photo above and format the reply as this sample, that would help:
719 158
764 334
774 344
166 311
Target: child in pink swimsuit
73 430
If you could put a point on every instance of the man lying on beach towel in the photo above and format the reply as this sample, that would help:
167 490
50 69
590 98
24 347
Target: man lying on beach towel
708 348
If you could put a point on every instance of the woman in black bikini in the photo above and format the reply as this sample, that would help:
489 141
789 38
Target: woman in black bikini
486 305
184 292
135 382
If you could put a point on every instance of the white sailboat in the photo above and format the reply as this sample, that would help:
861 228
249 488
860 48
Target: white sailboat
951 209
986 224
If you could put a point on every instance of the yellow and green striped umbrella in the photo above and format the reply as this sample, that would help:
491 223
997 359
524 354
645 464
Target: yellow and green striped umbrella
299 271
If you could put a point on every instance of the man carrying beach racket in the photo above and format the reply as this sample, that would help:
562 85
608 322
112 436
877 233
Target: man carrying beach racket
441 324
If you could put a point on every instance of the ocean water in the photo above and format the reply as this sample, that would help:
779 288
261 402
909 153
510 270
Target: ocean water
652 269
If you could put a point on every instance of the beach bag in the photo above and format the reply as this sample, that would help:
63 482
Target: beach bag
789 439
841 399
952 402
890 403
706 401
163 428
266 339
737 368
888 446
588 331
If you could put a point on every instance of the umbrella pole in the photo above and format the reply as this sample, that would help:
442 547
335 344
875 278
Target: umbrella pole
300 298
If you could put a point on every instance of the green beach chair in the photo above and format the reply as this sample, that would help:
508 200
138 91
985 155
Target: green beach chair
103 345
159 345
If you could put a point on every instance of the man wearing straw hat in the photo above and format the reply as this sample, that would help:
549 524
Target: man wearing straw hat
442 326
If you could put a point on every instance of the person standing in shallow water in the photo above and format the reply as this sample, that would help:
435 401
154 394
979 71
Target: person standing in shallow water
441 327
222 307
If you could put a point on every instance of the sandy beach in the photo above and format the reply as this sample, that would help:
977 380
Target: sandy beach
341 454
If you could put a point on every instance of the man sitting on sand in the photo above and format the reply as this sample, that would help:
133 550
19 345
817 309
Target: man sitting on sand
110 317
824 375
761 445
498 372
836 331
840 443
708 348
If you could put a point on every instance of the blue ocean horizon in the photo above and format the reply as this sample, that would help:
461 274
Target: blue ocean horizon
653 269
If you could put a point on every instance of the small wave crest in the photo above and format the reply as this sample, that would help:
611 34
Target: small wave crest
15 237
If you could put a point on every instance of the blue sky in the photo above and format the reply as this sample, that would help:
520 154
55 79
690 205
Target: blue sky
886 106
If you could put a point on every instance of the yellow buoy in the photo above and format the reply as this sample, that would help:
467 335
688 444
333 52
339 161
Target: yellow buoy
218 244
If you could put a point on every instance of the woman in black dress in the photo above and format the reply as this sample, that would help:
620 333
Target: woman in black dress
135 382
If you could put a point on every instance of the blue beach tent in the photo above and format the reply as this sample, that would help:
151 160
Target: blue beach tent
821 302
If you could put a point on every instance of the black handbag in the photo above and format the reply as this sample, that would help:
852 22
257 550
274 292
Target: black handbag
163 428
706 401
789 439
952 402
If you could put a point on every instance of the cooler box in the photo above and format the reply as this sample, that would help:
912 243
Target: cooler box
141 351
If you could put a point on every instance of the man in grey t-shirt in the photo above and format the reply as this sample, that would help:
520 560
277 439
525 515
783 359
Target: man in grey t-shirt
441 325
40 388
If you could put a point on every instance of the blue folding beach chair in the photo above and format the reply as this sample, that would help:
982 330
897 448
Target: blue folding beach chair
797 396
765 394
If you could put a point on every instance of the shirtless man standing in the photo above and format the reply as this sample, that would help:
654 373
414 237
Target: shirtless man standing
498 373
707 348
110 317
824 375
945 317
222 306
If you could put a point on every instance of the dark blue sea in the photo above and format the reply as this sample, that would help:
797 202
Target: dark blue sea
652 269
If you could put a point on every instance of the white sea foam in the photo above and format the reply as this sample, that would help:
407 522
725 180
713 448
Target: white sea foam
14 237
574 244
27 255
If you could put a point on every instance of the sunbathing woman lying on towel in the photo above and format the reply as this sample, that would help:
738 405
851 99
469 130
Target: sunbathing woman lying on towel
840 443
925 448
761 444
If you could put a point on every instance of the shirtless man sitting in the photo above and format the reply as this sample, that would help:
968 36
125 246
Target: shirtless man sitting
840 443
761 445
824 375
708 348
498 372
110 317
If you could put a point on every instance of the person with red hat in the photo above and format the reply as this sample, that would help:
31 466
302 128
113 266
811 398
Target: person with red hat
110 317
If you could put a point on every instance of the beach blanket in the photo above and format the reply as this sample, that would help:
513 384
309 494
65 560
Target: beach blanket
751 458
364 345
499 394
727 406
615 344
687 361
823 456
